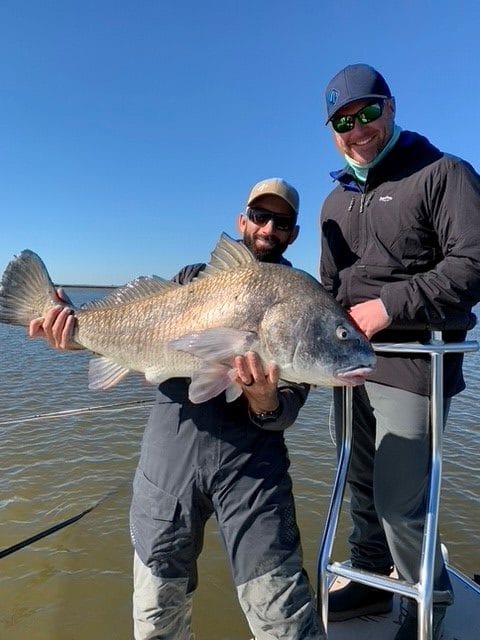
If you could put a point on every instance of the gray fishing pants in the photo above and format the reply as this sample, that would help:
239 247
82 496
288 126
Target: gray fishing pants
388 480
163 609
197 461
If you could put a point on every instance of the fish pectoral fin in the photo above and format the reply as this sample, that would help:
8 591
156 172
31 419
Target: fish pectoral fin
233 392
103 373
215 345
209 381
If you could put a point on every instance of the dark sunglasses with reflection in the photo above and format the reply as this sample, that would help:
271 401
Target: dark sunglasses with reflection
261 217
368 113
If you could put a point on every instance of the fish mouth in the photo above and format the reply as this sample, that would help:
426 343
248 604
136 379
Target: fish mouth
353 377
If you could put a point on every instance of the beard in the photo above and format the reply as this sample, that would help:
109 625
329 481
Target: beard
272 253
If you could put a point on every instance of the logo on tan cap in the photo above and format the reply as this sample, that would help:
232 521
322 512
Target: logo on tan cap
275 187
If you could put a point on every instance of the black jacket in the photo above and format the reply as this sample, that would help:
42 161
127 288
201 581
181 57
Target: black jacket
410 236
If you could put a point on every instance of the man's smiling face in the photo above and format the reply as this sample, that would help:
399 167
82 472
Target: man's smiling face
365 141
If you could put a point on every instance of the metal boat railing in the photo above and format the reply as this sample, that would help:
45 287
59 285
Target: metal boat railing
422 591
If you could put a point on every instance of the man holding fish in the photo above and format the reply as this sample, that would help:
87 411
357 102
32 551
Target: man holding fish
224 458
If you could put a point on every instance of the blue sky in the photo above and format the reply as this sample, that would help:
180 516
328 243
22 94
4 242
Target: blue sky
130 131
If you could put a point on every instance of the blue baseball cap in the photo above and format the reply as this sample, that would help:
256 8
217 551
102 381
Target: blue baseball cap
355 82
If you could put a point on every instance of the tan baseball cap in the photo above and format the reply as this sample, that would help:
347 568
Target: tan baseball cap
275 187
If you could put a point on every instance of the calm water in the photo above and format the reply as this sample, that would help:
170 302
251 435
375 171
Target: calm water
75 584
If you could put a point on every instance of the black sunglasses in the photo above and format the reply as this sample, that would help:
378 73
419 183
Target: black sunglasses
261 217
369 113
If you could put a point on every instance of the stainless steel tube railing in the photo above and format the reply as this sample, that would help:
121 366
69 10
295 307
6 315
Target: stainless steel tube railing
422 591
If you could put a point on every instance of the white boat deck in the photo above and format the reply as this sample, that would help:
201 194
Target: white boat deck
462 621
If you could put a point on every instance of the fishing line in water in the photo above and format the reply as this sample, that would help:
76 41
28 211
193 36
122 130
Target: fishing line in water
75 412
56 527
60 414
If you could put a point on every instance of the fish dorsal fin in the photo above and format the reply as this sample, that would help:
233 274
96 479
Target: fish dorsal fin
228 254
142 287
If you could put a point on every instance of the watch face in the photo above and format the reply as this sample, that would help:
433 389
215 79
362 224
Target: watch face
268 416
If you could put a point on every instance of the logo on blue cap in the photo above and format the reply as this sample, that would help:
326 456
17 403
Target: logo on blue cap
332 97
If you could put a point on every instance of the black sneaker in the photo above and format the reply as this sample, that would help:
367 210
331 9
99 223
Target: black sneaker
357 600
409 621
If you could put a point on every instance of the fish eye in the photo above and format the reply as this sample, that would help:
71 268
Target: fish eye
341 332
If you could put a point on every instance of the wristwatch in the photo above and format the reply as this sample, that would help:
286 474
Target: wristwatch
261 417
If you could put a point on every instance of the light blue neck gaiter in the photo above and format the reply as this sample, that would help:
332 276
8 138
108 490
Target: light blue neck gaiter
361 170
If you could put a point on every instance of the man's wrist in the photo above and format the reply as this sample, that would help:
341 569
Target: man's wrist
263 416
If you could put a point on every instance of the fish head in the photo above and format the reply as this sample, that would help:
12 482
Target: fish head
313 341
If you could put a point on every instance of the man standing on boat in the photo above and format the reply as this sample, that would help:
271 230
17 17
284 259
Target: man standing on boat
401 251
227 459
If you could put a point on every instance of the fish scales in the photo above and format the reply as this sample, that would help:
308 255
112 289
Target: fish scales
226 299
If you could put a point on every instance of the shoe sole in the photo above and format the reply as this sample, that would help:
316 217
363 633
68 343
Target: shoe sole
370 610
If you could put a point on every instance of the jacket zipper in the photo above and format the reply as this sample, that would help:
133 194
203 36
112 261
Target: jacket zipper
362 202
365 200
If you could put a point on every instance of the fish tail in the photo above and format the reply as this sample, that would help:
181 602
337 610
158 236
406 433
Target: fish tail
26 290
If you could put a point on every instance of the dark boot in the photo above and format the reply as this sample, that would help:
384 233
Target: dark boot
356 599
409 621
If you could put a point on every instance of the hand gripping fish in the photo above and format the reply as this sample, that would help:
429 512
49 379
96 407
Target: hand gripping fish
235 305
